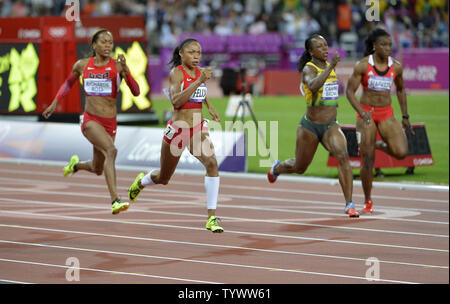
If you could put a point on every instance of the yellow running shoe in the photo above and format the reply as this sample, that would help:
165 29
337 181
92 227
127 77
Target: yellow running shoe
69 168
118 206
213 225
134 190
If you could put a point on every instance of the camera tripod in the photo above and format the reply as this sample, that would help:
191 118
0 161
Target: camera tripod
244 105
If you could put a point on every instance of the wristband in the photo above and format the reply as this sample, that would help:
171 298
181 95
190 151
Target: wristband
405 116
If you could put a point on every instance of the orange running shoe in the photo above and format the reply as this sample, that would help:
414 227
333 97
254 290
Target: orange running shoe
350 210
271 176
368 207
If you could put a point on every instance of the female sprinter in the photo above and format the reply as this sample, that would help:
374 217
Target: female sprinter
376 73
320 86
187 128
101 77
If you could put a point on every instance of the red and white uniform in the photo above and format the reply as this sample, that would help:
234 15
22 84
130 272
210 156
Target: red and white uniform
101 80
198 97
378 81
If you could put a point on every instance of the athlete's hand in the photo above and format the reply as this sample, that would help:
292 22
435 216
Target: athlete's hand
407 126
367 117
205 74
123 62
214 114
49 111
335 60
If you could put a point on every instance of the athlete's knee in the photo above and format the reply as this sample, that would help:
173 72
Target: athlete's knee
400 152
98 170
111 152
341 156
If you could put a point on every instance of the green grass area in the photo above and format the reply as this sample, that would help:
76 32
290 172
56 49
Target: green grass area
433 110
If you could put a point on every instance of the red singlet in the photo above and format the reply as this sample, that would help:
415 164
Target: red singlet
101 80
196 99
376 80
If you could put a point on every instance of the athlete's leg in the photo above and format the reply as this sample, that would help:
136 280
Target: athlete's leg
203 149
367 133
95 165
170 155
306 146
336 143
104 143
394 136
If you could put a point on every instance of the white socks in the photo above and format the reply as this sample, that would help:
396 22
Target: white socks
212 191
147 179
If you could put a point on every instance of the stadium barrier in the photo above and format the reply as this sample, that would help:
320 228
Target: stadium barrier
419 152
137 147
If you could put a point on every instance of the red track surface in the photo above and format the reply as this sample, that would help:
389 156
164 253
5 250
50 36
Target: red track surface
288 232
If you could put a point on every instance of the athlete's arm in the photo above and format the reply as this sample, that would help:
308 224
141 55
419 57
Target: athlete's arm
314 82
179 97
352 86
212 111
125 74
65 87
401 95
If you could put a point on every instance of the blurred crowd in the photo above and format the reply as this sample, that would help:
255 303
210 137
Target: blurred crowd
413 23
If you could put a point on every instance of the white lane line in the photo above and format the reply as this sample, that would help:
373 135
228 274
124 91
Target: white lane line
254 267
269 221
47 185
228 231
109 271
246 207
208 245
227 186
254 176
13 282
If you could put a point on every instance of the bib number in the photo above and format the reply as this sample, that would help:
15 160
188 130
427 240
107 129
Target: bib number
98 87
330 90
169 132
378 83
199 94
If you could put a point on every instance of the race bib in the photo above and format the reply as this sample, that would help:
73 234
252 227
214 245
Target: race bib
98 87
380 83
169 132
199 94
330 90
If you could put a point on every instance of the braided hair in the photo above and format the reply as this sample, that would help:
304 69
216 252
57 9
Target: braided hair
372 38
176 58
306 56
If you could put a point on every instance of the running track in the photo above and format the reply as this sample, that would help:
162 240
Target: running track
290 232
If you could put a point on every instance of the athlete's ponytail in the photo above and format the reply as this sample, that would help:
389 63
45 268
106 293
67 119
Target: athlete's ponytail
176 58
372 38
306 56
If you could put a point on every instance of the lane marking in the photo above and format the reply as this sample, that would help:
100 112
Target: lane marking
254 176
196 261
123 221
246 207
280 222
107 271
224 185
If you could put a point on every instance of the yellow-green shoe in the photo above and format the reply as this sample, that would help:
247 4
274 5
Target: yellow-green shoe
69 168
134 190
213 225
118 206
